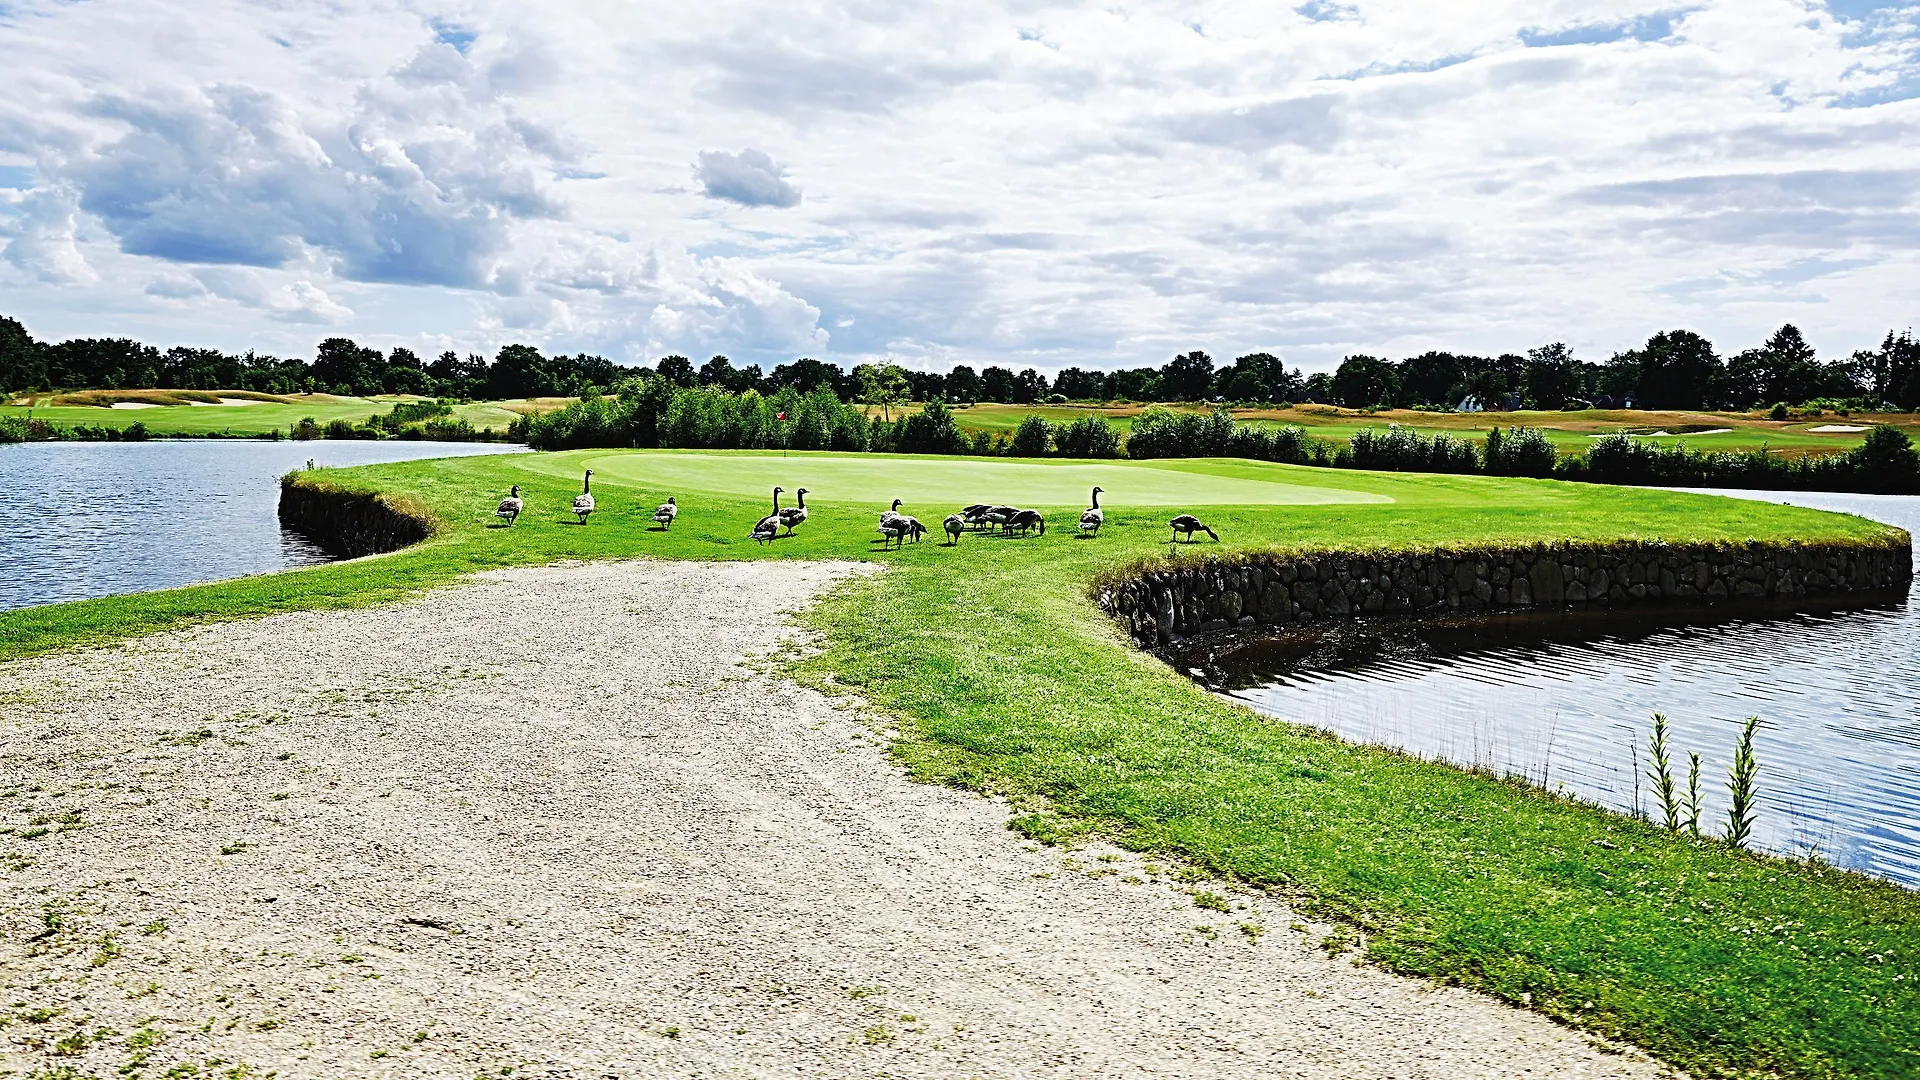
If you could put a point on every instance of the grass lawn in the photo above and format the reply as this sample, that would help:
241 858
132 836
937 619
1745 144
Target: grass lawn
1571 432
1003 677
259 416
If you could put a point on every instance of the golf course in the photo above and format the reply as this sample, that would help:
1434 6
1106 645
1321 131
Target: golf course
994 672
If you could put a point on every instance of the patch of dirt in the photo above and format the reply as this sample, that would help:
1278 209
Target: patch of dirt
548 822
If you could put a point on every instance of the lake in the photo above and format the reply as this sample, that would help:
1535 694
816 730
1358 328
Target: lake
1565 700
86 519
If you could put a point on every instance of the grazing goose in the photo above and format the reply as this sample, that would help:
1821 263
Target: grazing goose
794 515
1000 515
666 512
1091 519
955 525
913 527
893 531
1027 519
976 515
583 502
769 527
510 507
1187 523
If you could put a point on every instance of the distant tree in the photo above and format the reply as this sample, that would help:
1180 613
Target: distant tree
339 364
927 385
676 369
805 374
1432 378
1187 377
1029 386
885 385
964 385
520 371
1892 373
1075 384
719 371
1678 369
1361 381
1033 438
1319 387
1785 369
1138 384
21 366
1551 377
932 430
1260 377
998 384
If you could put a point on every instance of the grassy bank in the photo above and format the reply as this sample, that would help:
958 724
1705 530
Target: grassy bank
1004 678
166 413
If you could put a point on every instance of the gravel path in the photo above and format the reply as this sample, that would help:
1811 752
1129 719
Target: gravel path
547 821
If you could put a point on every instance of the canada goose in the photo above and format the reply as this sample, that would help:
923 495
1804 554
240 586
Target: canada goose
510 507
913 527
769 527
1091 519
893 530
666 512
1000 515
1027 519
583 502
888 515
794 515
976 515
1187 523
955 525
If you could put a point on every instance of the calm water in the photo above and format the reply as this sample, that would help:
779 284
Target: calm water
79 520
1565 700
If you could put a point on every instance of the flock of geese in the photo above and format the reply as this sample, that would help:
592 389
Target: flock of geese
895 528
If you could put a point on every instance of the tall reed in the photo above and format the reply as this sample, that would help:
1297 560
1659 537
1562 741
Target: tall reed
1740 785
1693 793
1660 772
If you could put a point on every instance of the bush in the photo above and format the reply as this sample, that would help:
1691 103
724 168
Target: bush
1161 432
1056 399
1088 437
1779 411
1520 452
13 429
1400 449
933 430
1033 438
341 429
307 428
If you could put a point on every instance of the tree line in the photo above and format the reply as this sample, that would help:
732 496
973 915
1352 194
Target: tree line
1675 369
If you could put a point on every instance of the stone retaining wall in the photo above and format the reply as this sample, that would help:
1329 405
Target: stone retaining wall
1163 606
348 524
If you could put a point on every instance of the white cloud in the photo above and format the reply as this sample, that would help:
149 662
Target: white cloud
1071 183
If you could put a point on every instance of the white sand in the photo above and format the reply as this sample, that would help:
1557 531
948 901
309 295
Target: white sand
135 405
547 821
1837 429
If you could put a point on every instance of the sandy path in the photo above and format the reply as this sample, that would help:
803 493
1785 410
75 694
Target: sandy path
547 821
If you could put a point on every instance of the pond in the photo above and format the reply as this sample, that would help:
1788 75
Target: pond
1565 700
86 519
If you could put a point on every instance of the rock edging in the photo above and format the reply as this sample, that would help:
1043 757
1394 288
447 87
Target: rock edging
349 524
1164 603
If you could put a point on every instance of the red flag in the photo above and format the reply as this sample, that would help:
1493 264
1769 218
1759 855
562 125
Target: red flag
781 415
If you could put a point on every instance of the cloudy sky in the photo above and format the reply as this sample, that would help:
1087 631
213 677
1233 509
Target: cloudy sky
1038 183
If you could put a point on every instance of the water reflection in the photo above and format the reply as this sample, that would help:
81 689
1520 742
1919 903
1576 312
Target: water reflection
1564 699
79 520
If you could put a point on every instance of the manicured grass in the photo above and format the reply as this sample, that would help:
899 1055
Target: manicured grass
1003 677
261 417
1571 432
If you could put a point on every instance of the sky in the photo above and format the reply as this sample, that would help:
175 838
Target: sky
1027 184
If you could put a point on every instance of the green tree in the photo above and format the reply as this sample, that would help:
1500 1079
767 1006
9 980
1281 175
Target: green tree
1361 381
1678 369
1188 377
885 385
1551 377
21 367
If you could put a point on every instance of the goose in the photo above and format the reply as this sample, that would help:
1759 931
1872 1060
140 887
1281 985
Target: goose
666 512
893 530
1091 519
769 527
955 525
913 527
1027 519
888 515
1187 523
999 515
976 515
794 515
583 502
510 507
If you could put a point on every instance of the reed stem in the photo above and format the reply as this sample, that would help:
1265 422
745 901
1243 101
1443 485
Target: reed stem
1740 785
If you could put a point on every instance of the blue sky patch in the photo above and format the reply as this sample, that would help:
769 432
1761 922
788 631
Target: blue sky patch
1645 28
18 177
454 34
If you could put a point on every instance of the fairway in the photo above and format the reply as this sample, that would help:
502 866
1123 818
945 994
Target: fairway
872 479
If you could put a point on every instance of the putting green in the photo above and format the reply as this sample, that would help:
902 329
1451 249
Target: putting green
879 478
